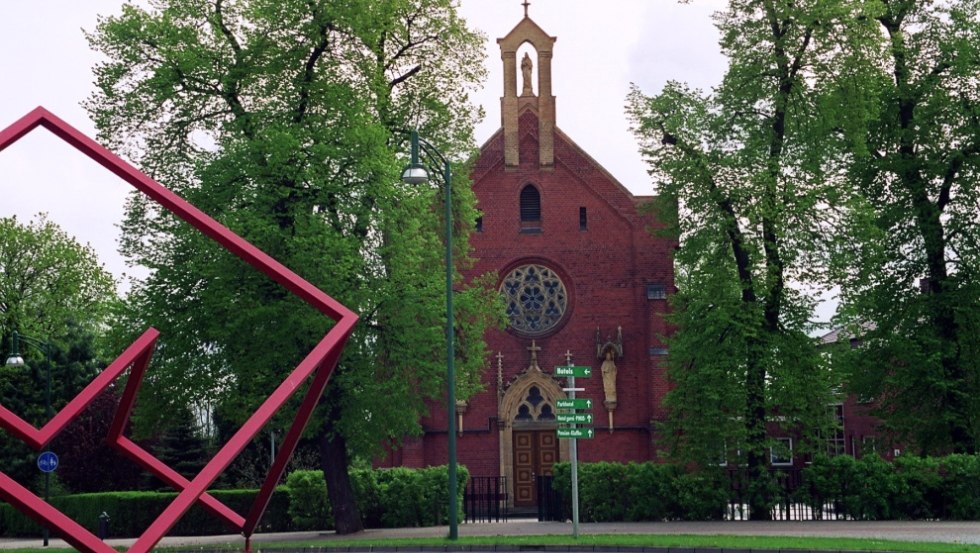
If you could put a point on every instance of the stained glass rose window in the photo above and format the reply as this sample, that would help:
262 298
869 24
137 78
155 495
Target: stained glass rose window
536 299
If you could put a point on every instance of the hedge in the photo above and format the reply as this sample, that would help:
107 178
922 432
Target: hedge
612 492
398 497
130 513
909 488
387 498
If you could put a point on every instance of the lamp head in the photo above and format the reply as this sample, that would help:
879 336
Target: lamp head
414 172
15 360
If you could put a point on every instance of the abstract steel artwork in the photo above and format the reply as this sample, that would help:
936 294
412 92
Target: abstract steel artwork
318 364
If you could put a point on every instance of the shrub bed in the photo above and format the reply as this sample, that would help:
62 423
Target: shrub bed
130 513
610 492
387 498
909 488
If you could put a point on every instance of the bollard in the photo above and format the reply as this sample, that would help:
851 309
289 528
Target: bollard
103 525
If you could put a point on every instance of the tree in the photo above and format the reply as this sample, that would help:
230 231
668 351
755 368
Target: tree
910 286
282 119
49 282
54 291
746 167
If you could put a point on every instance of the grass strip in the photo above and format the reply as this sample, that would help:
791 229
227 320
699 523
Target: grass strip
627 540
655 540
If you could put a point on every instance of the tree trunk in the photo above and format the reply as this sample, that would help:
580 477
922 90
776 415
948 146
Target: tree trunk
334 462
759 493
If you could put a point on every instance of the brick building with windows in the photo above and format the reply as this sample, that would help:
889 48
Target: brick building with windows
585 282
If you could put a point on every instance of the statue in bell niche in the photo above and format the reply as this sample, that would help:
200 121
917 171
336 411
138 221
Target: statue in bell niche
526 67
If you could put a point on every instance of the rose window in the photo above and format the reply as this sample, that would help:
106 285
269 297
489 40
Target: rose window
536 299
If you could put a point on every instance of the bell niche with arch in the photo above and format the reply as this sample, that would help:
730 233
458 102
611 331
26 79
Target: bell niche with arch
535 59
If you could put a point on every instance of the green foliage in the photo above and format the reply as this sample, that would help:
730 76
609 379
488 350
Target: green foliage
56 294
388 498
651 492
50 285
180 445
284 120
131 513
308 504
911 488
909 257
746 167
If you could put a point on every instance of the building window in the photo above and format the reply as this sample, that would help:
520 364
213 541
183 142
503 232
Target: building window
835 441
479 224
869 445
656 291
583 219
658 351
534 408
530 209
781 454
535 297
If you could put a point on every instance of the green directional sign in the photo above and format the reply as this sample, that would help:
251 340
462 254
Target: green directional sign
574 403
578 433
573 370
575 418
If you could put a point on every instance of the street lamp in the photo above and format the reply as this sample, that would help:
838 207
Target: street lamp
15 360
415 173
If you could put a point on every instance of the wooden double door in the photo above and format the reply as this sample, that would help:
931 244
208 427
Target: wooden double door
535 453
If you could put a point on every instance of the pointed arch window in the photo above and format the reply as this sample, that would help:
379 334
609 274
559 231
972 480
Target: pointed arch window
530 209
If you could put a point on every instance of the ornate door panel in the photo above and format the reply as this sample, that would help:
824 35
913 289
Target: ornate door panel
535 453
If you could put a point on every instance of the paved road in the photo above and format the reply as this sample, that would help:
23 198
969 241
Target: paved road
950 532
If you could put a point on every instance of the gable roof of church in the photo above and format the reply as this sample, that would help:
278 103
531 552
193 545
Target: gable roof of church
569 155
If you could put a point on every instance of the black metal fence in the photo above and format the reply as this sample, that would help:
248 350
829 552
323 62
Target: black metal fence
485 499
794 501
550 504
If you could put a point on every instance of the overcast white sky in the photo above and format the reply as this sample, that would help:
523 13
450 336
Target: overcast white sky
602 47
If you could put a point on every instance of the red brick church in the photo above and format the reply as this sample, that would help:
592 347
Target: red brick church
585 283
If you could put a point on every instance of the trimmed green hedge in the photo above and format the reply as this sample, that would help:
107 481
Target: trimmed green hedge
398 497
643 492
387 498
130 513
944 488
909 488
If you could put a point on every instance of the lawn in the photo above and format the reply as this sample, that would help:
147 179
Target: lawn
630 540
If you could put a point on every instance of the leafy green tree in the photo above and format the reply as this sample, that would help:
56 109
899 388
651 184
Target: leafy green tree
48 282
745 167
283 120
911 258
54 291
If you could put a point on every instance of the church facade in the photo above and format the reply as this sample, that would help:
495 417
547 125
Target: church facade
585 282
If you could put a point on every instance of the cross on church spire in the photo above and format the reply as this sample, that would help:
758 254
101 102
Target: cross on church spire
525 4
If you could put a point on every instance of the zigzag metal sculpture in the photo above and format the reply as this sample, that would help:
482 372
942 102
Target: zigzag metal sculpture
319 363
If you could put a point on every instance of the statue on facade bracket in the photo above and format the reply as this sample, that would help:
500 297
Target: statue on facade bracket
608 352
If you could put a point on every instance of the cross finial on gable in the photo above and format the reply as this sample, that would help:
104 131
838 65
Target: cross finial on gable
525 4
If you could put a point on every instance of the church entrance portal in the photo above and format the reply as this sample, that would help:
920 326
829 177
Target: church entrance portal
535 453
529 445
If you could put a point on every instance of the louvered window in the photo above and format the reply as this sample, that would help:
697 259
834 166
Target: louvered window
530 208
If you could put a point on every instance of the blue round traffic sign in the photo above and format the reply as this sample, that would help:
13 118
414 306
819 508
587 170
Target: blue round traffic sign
47 461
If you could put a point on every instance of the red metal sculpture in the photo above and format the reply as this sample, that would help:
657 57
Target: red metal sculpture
319 363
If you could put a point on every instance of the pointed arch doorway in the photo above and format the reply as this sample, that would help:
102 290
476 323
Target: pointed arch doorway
529 445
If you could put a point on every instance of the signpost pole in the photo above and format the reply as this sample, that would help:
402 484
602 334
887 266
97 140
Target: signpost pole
574 444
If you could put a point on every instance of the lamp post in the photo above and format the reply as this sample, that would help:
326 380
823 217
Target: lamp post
15 360
415 173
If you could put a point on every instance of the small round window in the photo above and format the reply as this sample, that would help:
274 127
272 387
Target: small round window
536 299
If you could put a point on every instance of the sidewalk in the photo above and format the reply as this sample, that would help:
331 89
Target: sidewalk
949 532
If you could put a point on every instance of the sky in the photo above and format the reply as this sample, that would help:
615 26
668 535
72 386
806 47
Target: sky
601 48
